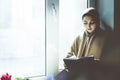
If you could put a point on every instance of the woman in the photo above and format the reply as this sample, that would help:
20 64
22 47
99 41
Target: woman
93 40
92 43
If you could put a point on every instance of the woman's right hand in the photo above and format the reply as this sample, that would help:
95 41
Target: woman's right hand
65 66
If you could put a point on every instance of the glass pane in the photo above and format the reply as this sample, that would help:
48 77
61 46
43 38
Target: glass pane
22 37
70 25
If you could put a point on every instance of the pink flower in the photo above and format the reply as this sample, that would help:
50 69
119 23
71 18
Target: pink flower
6 77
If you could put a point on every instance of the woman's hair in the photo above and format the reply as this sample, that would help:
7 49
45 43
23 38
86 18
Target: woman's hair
91 12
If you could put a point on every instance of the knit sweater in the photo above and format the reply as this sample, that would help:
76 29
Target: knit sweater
95 45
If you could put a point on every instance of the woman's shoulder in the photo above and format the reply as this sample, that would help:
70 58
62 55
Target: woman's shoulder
102 33
79 37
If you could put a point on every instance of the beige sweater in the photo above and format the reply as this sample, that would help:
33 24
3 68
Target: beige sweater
95 45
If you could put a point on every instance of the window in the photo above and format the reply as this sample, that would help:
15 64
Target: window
22 34
22 37
70 25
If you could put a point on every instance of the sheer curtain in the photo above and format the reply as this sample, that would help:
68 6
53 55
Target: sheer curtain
22 37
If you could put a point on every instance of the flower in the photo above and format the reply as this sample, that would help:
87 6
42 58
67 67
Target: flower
6 77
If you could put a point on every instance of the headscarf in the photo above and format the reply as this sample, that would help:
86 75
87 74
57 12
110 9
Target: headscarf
94 14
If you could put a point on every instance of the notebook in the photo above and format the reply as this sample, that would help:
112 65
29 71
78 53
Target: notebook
75 64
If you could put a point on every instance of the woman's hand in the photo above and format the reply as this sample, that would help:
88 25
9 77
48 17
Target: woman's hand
65 65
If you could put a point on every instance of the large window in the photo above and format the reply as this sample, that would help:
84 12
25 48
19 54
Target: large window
24 51
70 25
22 37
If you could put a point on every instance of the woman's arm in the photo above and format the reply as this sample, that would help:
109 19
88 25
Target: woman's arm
74 48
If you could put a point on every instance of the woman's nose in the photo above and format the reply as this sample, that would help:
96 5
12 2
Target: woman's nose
88 26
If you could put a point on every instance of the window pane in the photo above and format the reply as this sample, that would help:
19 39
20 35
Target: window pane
70 25
22 37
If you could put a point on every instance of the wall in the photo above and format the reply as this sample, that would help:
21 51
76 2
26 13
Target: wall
117 17
106 10
110 15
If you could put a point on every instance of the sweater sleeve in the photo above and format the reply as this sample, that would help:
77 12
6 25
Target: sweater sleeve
74 48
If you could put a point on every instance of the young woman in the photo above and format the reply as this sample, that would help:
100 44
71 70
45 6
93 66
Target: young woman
92 43
93 40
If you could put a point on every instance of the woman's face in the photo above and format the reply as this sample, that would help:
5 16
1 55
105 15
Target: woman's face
89 23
